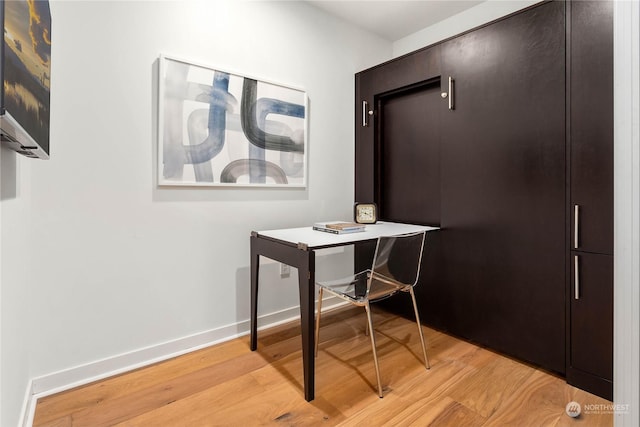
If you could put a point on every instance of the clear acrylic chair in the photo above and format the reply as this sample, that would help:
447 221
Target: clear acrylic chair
396 268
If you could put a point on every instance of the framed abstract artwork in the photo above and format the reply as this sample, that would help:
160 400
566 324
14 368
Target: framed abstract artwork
217 128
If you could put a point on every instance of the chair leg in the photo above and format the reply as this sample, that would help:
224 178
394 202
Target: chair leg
318 321
424 348
373 347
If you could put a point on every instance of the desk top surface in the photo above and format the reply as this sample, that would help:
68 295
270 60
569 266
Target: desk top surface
317 239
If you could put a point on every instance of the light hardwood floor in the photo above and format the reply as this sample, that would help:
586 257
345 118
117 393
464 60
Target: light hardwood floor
228 385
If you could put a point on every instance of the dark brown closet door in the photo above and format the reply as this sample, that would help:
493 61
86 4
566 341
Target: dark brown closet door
409 155
590 131
502 276
591 125
591 348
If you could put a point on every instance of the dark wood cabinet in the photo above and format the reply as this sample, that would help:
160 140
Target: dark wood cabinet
590 350
590 128
498 158
590 209
490 172
503 188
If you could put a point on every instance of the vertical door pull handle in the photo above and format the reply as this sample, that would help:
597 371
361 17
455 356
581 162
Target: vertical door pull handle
366 112
576 226
451 97
576 278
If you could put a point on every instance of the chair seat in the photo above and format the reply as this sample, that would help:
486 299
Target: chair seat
354 288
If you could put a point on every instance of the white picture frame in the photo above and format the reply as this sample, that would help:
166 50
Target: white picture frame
222 129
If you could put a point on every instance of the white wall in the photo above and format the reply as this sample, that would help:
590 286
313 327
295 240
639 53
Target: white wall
96 260
137 265
15 263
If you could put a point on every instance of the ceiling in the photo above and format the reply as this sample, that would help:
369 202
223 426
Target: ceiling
393 19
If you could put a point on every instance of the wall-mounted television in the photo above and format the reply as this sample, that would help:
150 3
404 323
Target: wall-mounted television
26 77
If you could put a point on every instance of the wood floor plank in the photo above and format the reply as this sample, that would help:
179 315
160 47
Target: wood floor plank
109 411
60 422
456 414
53 407
425 397
229 385
486 390
541 402
204 404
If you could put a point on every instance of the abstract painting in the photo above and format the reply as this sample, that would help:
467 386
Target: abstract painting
217 128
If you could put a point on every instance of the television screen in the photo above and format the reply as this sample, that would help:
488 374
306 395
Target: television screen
26 71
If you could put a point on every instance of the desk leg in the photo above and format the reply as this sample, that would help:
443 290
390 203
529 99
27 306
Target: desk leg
255 269
306 284
304 260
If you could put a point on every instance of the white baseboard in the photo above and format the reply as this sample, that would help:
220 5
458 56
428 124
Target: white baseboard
66 379
28 407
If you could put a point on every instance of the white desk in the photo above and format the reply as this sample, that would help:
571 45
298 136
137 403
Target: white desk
313 239
295 247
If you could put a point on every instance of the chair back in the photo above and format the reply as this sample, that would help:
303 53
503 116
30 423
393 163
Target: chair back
399 257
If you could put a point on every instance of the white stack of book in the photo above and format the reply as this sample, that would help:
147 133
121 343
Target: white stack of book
338 227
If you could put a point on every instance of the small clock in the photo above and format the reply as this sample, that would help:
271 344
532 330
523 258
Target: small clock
365 213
